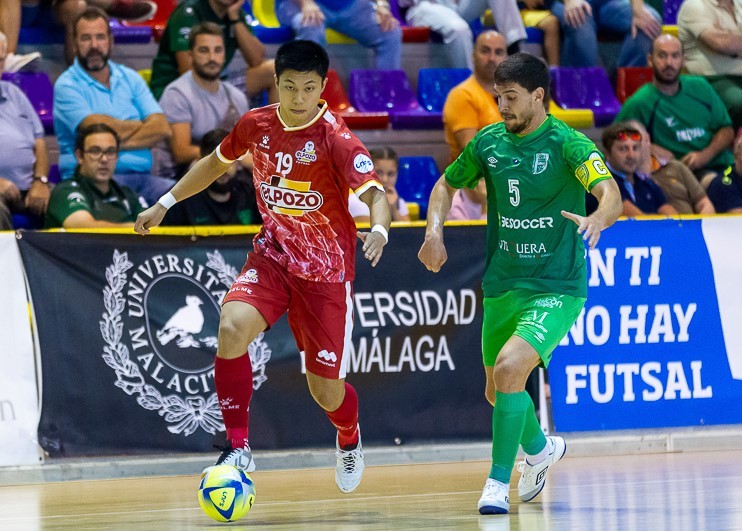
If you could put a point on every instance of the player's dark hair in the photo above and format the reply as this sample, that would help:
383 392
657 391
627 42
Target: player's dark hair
526 70
302 56
614 131
204 28
384 153
92 129
92 13
210 140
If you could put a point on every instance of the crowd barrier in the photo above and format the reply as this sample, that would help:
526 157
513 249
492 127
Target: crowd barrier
127 331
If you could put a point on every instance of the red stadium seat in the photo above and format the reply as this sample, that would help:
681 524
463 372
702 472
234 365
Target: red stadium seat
630 78
338 101
159 21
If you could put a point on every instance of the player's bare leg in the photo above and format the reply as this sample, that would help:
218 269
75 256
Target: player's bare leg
340 402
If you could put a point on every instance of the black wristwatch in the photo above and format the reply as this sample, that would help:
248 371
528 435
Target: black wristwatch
43 178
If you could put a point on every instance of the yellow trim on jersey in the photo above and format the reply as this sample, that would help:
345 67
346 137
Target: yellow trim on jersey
320 114
365 186
592 171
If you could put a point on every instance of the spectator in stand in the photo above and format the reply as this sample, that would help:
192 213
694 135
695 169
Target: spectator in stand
450 18
536 14
173 58
680 186
65 12
471 104
623 152
10 26
469 204
386 165
683 114
726 192
92 199
580 21
97 90
197 102
370 23
711 33
230 200
24 158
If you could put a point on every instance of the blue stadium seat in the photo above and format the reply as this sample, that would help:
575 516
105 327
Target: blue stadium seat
415 180
434 84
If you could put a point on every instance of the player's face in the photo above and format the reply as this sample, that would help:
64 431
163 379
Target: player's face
298 95
666 60
93 44
98 160
208 56
489 51
518 106
386 169
625 155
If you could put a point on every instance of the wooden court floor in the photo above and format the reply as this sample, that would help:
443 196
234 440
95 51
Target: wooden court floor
693 491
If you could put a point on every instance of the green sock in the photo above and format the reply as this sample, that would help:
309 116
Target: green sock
533 439
508 418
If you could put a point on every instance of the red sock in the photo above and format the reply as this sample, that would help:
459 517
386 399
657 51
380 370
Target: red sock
345 418
233 380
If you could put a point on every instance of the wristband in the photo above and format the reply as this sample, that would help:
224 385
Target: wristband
381 230
167 200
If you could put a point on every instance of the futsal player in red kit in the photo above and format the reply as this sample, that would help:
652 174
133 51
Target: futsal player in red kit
305 160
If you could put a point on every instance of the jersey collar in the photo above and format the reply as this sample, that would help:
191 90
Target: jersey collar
320 113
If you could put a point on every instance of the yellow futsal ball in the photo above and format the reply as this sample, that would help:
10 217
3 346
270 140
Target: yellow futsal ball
226 493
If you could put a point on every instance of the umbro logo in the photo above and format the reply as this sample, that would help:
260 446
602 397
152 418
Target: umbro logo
541 475
492 162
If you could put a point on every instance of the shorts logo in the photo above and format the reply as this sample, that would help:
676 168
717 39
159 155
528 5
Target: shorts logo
306 155
293 198
548 302
540 162
249 276
159 327
362 163
328 356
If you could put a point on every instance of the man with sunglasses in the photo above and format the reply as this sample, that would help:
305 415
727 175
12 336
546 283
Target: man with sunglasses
623 152
92 199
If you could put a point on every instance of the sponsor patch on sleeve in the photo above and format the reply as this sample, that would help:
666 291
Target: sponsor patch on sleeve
362 163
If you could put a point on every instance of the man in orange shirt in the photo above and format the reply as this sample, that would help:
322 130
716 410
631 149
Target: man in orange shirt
471 104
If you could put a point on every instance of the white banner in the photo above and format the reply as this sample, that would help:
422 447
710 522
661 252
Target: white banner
19 400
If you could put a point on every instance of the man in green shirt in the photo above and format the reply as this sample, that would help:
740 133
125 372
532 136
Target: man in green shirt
174 59
536 169
92 199
684 115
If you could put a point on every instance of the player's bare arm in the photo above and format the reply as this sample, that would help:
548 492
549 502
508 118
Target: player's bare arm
204 172
381 219
609 208
433 252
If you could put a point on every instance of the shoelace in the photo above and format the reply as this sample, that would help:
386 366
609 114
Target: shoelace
226 452
491 489
349 461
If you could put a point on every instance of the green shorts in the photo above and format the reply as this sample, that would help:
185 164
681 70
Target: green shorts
541 319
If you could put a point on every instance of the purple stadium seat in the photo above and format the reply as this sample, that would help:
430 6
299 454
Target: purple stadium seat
415 180
390 91
670 10
129 34
38 88
434 84
585 88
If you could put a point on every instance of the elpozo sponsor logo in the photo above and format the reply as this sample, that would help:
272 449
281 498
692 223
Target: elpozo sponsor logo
293 198
160 328
306 155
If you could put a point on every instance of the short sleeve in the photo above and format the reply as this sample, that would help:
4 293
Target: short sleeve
70 106
176 106
465 171
66 200
584 160
459 111
353 161
693 18
237 143
179 28
719 114
143 99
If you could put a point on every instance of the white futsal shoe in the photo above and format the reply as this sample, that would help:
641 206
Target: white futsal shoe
495 498
533 477
237 457
349 466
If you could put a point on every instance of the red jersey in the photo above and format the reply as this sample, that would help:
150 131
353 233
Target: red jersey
302 176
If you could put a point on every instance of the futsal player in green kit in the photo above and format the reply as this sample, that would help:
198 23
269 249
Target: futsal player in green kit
537 170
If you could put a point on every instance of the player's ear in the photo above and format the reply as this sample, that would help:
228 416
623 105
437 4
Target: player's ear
324 84
538 94
275 79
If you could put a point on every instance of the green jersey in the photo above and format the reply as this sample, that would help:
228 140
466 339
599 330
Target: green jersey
175 39
684 122
530 180
119 205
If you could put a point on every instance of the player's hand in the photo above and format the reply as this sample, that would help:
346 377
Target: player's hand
643 20
576 12
151 217
373 246
433 253
588 226
694 160
311 15
37 198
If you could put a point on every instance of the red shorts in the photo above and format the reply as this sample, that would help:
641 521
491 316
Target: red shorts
320 313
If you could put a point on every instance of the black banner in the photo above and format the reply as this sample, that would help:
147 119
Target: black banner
127 328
